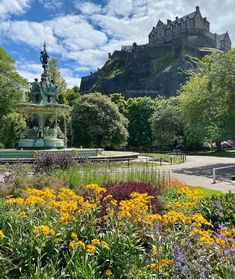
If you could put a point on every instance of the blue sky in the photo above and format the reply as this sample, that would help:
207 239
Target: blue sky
81 33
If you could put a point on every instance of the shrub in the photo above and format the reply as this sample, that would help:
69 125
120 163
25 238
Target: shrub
122 191
47 162
219 209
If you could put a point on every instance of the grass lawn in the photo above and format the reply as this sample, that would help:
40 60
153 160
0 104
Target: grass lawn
226 153
165 157
208 192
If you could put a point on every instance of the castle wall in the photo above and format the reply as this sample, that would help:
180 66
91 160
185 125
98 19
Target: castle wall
225 44
201 23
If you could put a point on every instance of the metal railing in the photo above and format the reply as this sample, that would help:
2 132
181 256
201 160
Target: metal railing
215 169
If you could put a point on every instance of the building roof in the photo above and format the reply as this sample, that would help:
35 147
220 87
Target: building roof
189 16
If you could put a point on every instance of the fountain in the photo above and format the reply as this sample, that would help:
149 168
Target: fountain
43 133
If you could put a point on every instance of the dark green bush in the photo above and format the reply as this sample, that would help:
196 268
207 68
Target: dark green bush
219 209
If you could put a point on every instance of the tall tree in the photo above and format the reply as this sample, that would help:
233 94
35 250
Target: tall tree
166 124
12 90
207 100
58 79
139 111
97 122
118 99
71 95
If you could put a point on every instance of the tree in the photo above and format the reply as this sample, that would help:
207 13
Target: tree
71 95
139 111
97 122
167 127
12 124
118 99
207 100
58 79
12 89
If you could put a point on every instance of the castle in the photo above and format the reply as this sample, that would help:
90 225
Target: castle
160 66
191 30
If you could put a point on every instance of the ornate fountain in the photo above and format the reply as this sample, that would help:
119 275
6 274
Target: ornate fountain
42 113
43 131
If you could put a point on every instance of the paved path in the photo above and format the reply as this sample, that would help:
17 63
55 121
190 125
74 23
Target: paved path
197 171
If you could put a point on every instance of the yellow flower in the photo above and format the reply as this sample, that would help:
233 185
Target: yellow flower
108 272
95 241
149 219
18 201
74 235
45 230
156 251
233 245
65 217
113 202
82 244
34 200
72 245
161 263
107 197
96 189
154 266
91 249
104 245
1 234
22 214
219 241
198 220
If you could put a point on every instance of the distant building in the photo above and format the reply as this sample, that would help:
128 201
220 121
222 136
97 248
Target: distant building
191 29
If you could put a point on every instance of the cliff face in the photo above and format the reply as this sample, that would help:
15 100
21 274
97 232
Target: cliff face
141 73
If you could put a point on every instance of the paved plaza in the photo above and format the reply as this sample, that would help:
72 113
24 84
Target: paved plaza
197 171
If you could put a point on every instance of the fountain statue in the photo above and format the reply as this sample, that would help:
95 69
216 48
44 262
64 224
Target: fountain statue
42 114
43 131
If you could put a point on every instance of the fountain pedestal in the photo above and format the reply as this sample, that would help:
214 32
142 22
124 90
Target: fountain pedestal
43 131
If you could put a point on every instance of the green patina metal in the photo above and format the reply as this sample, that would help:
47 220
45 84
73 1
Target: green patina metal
43 131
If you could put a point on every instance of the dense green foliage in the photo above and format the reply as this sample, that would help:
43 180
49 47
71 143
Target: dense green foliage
139 111
12 124
219 209
12 88
208 97
118 99
166 124
57 78
71 95
97 122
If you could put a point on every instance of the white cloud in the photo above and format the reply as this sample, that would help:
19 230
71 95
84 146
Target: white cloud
120 8
13 7
76 33
69 77
87 8
30 33
91 58
52 4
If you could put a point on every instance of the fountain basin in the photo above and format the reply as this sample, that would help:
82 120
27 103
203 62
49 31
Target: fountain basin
46 109
14 154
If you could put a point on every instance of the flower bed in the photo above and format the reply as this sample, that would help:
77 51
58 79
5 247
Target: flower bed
62 234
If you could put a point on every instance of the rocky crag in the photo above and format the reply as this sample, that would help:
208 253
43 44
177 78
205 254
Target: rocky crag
159 67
